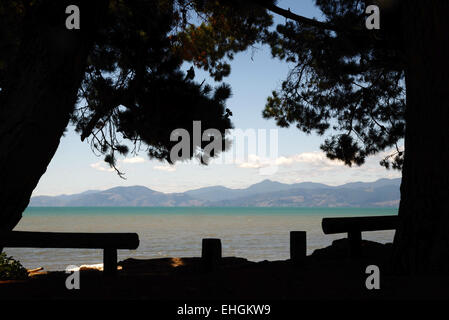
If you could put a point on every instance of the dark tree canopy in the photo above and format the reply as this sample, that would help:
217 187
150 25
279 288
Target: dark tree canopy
133 88
123 72
346 81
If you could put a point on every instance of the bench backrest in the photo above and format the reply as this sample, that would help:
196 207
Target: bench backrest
350 224
29 239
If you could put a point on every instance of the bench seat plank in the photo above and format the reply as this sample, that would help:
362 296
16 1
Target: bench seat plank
360 224
30 239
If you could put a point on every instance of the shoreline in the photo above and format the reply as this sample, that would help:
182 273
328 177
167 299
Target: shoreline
326 274
258 234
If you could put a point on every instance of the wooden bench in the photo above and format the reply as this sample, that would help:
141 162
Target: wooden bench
109 242
354 226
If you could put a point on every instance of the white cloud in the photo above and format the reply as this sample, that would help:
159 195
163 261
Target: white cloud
284 161
251 165
314 167
167 168
134 160
315 159
254 162
101 166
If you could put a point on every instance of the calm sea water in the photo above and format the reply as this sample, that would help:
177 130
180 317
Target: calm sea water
253 233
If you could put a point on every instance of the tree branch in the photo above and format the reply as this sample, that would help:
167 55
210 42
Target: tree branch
293 16
311 22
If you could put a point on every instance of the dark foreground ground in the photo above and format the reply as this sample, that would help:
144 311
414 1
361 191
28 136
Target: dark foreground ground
327 274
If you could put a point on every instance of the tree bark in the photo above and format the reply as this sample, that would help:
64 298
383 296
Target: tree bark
422 239
40 94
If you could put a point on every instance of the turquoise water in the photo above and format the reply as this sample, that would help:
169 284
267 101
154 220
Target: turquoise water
228 211
253 233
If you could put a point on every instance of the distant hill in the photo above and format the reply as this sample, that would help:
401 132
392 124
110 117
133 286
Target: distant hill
136 196
219 193
380 193
387 196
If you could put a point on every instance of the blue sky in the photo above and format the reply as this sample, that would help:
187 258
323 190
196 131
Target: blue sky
254 75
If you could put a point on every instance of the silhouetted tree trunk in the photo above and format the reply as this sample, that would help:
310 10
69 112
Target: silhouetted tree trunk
41 91
422 240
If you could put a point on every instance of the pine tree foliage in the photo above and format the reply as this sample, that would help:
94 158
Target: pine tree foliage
134 89
346 82
134 93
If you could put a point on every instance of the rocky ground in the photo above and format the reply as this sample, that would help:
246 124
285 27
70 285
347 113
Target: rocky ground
326 274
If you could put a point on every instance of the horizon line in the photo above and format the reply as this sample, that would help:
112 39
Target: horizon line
210 186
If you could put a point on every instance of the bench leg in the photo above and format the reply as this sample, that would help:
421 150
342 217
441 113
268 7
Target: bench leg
110 261
355 243
211 253
298 246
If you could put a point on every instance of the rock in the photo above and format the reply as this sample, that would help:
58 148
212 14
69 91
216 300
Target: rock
340 250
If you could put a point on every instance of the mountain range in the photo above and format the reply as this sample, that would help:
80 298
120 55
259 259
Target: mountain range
381 193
